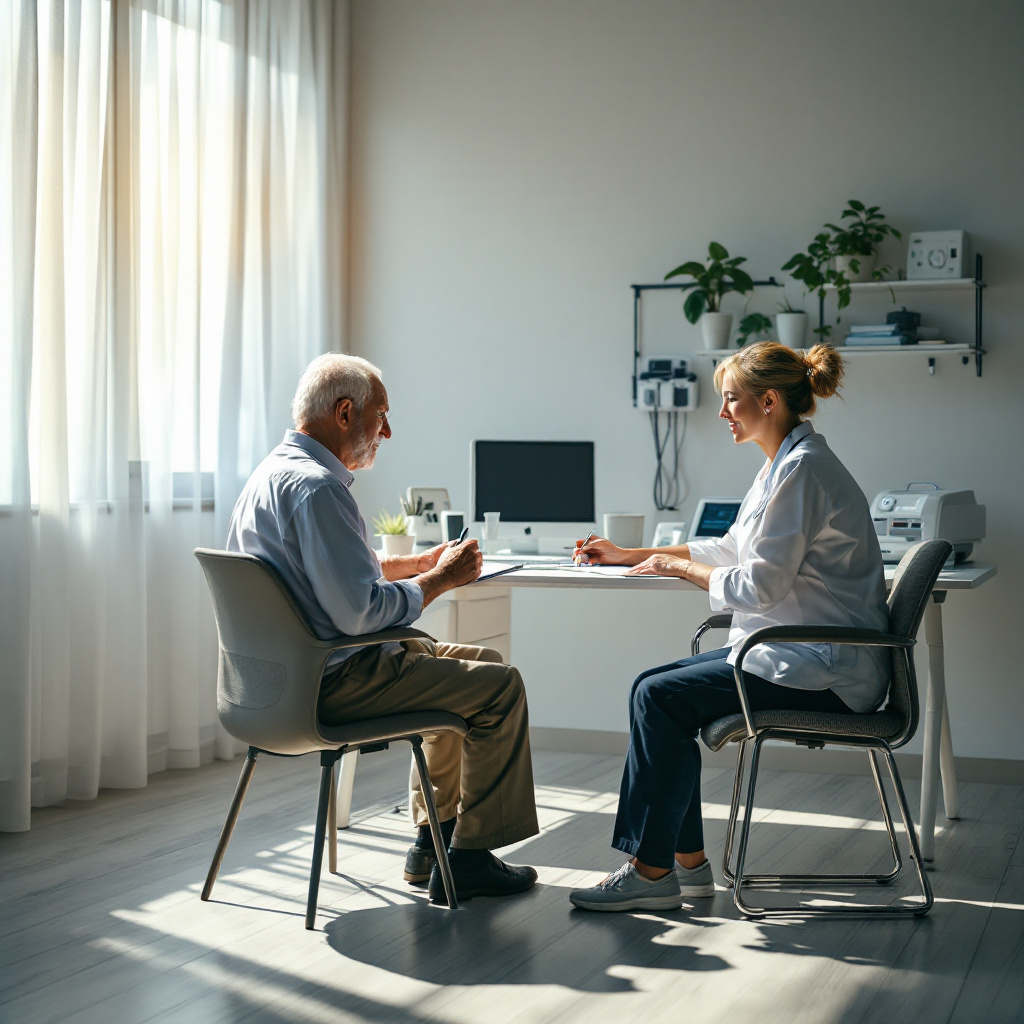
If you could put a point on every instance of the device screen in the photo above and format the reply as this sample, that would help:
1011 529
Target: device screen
716 517
532 481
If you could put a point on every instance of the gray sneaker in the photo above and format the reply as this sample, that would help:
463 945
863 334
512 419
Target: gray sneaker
695 882
625 889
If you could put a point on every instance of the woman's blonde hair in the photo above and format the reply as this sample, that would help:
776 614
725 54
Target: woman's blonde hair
797 377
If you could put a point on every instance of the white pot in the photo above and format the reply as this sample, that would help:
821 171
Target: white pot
865 265
414 526
716 328
792 328
397 543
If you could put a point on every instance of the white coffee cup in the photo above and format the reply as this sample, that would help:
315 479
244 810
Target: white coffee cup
624 529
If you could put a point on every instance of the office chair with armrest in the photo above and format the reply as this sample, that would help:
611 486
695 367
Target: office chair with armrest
268 682
877 732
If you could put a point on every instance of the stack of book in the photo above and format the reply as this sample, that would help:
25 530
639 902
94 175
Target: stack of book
880 334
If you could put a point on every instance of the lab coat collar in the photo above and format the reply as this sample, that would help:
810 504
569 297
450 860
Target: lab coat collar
791 440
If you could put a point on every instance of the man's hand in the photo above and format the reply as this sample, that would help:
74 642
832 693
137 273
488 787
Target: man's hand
457 565
428 559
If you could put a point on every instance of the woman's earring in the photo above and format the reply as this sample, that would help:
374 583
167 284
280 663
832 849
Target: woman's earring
767 410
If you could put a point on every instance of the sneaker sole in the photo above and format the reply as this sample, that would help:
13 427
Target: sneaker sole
639 903
414 879
697 892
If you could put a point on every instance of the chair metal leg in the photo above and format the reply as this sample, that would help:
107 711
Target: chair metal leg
435 825
730 831
908 824
890 827
229 825
800 910
332 823
328 759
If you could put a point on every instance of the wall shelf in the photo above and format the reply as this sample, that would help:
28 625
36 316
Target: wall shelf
975 284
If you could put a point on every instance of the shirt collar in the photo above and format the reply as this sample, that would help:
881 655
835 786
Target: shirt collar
312 447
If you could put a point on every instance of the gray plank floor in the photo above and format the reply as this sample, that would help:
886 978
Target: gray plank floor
100 917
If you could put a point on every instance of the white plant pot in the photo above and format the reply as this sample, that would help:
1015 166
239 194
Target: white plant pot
866 264
397 543
792 328
716 328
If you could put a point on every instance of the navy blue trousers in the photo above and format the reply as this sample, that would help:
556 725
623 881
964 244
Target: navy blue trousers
659 799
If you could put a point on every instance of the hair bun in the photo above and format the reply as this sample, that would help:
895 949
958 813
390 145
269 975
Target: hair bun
824 370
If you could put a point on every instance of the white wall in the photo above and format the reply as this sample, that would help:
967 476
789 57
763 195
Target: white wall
516 166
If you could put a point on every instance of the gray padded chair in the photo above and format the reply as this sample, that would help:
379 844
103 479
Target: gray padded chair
878 732
268 682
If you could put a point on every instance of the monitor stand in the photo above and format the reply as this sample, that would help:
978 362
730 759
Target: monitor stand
523 545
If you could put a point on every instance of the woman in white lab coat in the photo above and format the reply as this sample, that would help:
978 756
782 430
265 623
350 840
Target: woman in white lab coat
802 550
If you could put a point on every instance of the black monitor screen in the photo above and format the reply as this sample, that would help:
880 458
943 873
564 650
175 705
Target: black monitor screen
716 517
534 481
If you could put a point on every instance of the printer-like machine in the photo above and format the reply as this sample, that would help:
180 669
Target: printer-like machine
923 511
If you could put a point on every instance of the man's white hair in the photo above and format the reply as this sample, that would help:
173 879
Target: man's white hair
328 379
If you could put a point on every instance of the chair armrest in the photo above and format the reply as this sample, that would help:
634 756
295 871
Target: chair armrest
720 620
808 635
384 636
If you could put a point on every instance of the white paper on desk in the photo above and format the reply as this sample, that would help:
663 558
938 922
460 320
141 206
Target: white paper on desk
603 570
497 568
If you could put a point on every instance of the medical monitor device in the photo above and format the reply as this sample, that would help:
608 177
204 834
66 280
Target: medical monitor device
541 488
713 517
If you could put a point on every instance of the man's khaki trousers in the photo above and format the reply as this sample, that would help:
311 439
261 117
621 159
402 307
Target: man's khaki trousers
486 779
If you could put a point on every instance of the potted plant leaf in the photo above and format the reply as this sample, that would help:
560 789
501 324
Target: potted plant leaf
842 251
751 325
393 533
719 276
791 324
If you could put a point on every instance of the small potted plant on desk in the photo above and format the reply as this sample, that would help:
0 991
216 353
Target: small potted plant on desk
393 534
720 276
842 255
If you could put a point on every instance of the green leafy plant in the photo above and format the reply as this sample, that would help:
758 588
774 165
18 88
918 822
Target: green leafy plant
753 323
719 276
860 237
816 268
386 523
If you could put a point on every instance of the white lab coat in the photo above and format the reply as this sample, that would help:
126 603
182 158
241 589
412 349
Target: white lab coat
803 551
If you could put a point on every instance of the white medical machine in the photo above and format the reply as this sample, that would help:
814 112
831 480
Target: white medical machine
924 511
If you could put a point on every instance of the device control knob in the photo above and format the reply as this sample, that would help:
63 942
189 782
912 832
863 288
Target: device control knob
887 504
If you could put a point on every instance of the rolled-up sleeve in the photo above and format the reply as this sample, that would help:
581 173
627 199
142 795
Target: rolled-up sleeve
343 572
716 551
789 522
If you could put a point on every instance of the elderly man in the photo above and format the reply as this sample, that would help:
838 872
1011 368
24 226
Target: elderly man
297 513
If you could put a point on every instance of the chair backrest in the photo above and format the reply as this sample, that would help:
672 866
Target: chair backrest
271 663
911 589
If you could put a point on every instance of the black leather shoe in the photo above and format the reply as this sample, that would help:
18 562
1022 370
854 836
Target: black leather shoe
487 877
419 862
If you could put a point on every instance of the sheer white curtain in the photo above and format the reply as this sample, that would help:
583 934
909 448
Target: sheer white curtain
171 236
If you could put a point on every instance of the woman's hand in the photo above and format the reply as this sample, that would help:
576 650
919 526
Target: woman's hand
598 551
661 565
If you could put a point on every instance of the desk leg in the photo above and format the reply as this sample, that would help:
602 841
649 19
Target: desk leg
932 732
947 767
346 780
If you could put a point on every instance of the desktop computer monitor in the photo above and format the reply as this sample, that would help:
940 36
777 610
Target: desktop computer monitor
547 486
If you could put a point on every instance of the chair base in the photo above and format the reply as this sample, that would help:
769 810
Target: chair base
741 880
326 821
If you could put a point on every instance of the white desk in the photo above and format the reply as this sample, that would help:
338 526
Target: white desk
936 736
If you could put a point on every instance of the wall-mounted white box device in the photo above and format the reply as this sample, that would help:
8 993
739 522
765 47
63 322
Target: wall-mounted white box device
937 255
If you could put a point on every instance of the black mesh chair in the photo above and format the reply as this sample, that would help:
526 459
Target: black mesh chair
877 733
268 682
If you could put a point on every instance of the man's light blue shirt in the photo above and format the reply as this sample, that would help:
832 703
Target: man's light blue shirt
297 513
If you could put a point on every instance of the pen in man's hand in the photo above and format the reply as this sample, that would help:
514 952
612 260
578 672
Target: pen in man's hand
462 537
586 541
